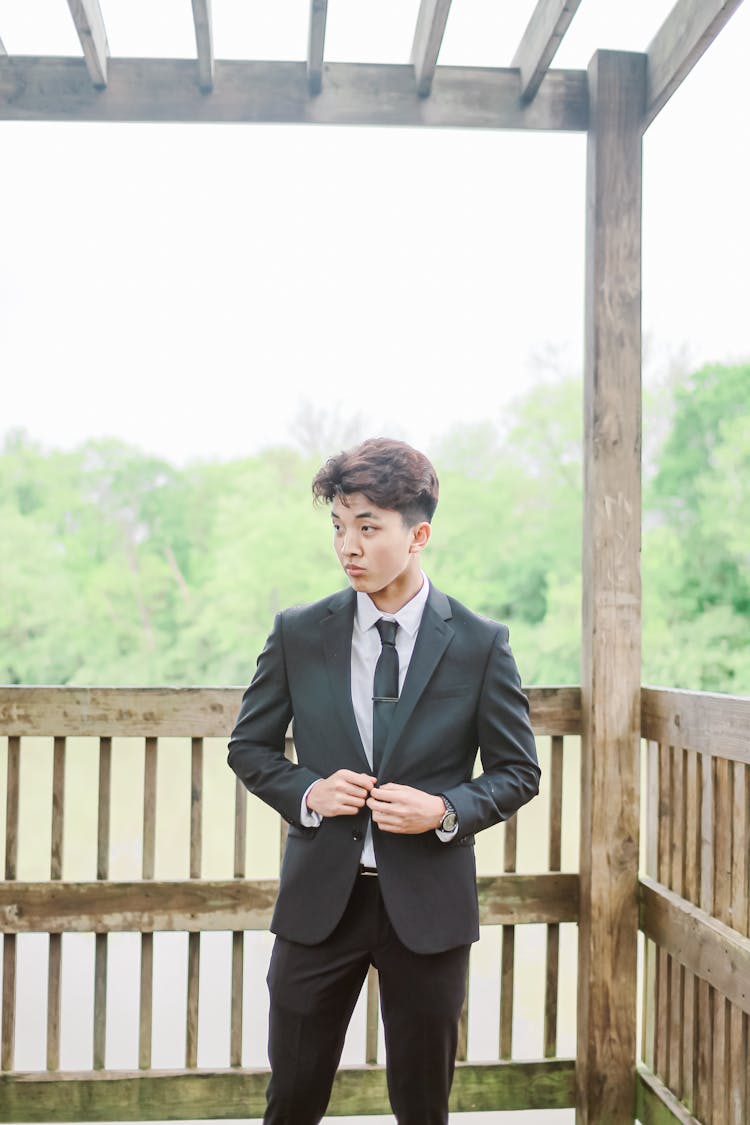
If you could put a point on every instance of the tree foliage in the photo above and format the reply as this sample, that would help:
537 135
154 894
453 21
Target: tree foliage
121 568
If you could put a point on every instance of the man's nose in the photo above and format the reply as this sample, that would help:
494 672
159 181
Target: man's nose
351 544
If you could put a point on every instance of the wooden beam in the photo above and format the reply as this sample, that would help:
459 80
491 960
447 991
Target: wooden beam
656 1104
710 949
428 36
48 89
688 30
696 720
611 641
204 44
543 35
316 41
87 16
193 905
186 712
151 1095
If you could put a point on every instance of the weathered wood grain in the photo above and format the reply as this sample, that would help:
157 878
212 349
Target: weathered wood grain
193 711
686 33
236 1013
59 89
713 951
240 1093
204 44
316 40
508 947
193 905
89 22
12 794
698 720
543 35
651 868
611 633
428 37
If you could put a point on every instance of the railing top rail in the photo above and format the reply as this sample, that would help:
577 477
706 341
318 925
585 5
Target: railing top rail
696 720
198 712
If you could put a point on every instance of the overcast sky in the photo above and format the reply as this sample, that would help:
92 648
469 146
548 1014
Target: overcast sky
192 289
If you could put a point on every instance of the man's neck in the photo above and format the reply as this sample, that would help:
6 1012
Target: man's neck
394 597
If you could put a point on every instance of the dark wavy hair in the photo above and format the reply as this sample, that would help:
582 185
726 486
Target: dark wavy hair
389 473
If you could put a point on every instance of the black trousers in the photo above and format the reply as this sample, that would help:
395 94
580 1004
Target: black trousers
313 992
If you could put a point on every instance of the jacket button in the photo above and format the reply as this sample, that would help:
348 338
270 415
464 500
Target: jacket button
356 835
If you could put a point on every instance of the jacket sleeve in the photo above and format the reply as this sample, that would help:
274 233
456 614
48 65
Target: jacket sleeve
506 746
257 743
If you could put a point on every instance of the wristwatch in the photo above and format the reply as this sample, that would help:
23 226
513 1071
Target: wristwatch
449 823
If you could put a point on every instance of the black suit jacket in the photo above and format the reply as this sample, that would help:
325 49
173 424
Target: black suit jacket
462 692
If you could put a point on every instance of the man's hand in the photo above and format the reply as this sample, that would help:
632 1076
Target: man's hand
399 808
342 794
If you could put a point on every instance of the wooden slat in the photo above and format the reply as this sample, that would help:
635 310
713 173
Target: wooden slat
54 972
12 792
677 869
663 995
371 1018
102 872
652 859
508 948
543 35
656 1104
47 89
611 625
722 911
316 40
146 1001
193 984
704 721
240 1094
238 975
87 16
145 1008
199 712
686 33
195 905
204 44
691 891
194 948
709 948
703 1063
553 930
428 37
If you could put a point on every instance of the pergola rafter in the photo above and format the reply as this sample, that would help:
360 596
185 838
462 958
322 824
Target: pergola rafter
204 44
87 16
543 35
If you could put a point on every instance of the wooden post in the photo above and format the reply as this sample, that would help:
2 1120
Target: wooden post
611 649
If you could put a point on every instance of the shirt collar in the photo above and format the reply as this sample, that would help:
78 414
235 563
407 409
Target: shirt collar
409 617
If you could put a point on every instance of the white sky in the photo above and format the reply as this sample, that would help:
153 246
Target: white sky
192 289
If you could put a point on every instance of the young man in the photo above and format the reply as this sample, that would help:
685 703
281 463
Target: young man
392 688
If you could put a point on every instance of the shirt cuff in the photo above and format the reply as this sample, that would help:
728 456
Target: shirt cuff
308 817
446 837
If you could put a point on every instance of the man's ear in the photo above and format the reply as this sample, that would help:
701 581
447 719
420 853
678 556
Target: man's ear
420 536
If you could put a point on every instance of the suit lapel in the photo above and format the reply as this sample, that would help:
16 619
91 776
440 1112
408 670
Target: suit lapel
435 634
336 635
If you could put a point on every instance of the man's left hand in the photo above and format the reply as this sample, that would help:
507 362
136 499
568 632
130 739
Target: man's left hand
399 808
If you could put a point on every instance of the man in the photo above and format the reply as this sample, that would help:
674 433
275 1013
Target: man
392 687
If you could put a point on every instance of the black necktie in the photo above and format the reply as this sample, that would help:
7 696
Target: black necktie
385 689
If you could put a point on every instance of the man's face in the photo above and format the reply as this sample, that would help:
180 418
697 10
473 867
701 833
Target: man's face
378 552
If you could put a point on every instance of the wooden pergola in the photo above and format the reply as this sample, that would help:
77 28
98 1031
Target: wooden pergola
613 101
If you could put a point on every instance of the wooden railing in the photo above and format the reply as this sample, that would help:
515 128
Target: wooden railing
695 909
122 818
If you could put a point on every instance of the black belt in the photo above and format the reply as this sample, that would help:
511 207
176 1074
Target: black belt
367 870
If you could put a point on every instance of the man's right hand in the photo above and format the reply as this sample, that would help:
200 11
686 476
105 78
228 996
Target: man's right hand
342 794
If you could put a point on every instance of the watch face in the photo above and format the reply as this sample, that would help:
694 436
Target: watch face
450 820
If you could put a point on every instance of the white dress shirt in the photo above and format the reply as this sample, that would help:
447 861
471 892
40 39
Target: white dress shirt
366 646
